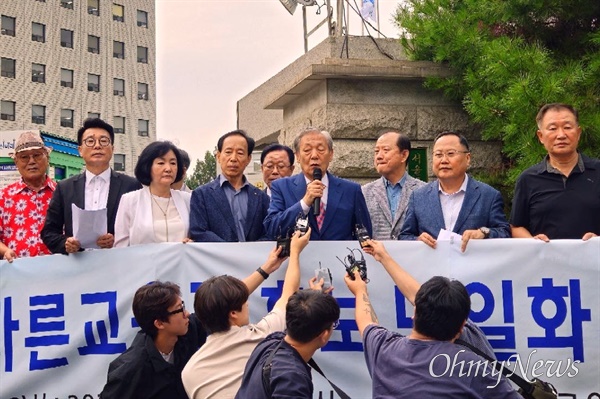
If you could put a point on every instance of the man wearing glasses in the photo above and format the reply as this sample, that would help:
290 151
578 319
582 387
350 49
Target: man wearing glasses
98 187
455 202
23 204
276 161
151 366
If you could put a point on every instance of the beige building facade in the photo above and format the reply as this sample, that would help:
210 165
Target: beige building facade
63 61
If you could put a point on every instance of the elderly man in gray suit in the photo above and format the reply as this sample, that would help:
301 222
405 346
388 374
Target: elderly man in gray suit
387 198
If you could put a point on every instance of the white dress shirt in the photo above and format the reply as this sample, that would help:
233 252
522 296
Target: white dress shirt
96 190
452 203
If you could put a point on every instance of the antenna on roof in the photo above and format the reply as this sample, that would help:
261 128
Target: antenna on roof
291 5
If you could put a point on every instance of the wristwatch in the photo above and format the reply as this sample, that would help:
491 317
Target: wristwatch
485 231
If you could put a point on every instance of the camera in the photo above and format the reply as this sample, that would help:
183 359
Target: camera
325 274
352 264
285 241
362 235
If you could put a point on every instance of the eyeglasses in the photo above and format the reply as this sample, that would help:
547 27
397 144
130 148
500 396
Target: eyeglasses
335 324
90 141
270 167
449 154
180 310
25 158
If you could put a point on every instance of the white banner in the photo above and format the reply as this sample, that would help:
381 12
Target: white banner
64 318
369 10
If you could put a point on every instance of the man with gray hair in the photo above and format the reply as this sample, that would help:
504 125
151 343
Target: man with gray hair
387 197
334 206
23 204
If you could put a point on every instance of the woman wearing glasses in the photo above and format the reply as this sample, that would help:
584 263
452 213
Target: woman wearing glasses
156 213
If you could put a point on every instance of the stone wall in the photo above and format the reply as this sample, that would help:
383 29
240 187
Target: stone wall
356 100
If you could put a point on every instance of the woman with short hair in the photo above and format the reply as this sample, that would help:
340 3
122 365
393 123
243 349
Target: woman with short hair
155 213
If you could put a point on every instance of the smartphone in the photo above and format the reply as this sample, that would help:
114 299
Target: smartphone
325 274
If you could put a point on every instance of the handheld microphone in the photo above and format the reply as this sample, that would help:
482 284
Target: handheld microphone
317 175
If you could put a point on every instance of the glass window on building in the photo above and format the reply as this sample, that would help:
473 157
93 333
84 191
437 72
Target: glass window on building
8 68
38 73
93 82
143 127
142 18
7 110
118 12
119 164
38 32
118 87
93 44
66 117
66 38
93 7
142 54
66 4
38 114
66 77
7 26
119 124
94 115
142 91
118 49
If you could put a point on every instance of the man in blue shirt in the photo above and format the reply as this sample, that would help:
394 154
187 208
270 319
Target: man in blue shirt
229 208
387 197
414 366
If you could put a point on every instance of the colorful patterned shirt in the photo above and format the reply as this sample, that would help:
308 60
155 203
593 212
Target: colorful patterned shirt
22 216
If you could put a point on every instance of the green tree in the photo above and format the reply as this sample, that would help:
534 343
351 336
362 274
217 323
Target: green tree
510 57
204 171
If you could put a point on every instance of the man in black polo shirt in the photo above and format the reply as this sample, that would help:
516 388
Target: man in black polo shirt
559 197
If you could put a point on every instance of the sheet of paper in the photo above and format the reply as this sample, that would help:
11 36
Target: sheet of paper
88 225
454 239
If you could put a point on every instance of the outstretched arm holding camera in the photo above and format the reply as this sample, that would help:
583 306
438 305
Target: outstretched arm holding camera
291 282
272 263
405 282
364 312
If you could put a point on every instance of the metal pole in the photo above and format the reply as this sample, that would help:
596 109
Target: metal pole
305 28
340 18
378 27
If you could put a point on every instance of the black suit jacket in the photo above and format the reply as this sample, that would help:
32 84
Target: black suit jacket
59 218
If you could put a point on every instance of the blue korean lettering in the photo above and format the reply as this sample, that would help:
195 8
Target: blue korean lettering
503 337
346 327
37 325
103 347
403 319
272 294
10 326
557 295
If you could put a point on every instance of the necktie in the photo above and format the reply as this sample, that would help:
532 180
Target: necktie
321 216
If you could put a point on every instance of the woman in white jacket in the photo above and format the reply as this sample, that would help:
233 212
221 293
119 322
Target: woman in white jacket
155 213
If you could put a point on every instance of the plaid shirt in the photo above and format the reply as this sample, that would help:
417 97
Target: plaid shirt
22 216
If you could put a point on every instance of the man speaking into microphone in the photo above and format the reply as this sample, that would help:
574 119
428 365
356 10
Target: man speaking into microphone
334 206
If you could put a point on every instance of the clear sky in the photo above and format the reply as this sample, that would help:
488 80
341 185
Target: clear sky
211 53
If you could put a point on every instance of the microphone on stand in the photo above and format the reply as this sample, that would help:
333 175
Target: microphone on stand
317 175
